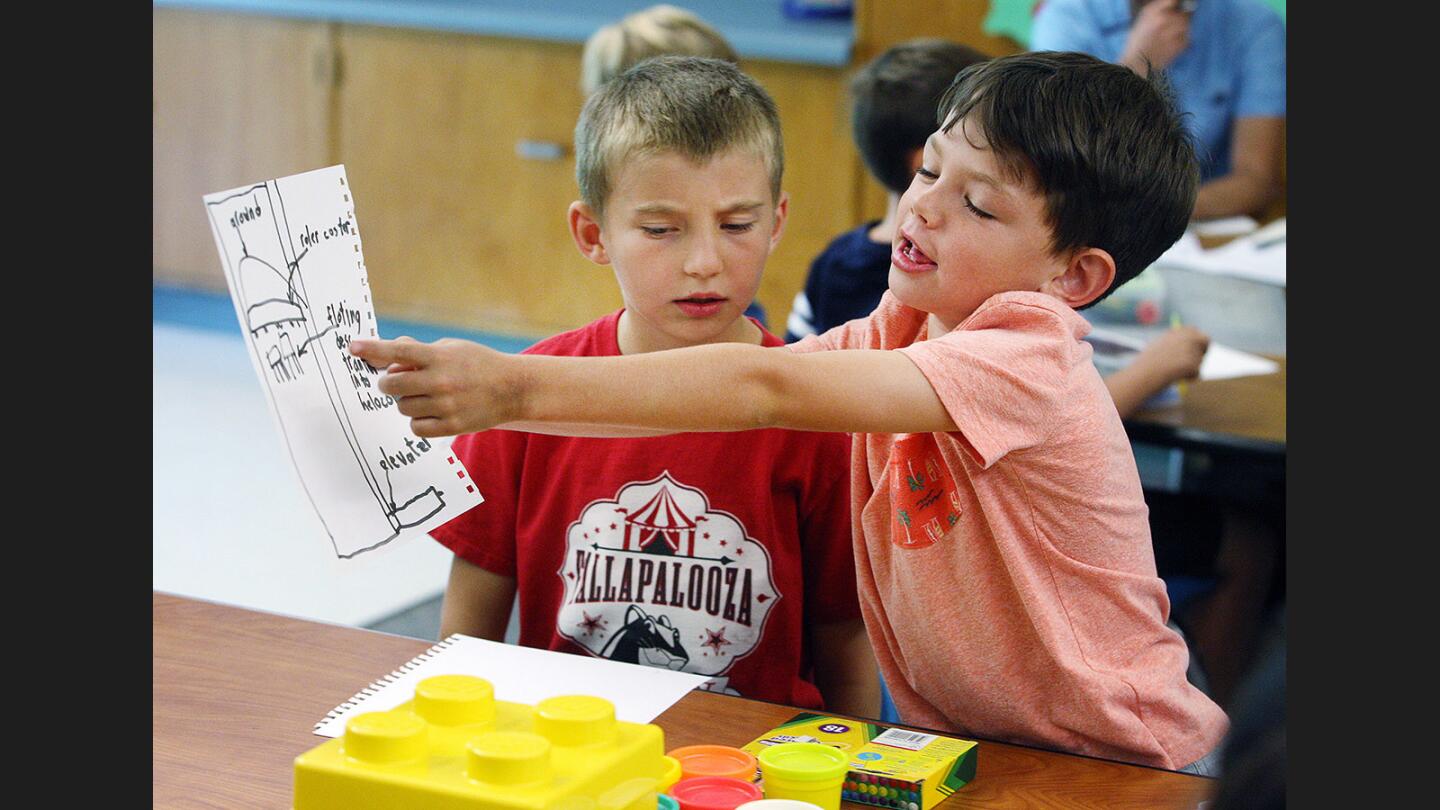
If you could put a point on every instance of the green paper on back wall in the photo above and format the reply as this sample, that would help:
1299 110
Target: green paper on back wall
1012 18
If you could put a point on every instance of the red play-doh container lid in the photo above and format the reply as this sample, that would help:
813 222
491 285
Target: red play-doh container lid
714 793
715 760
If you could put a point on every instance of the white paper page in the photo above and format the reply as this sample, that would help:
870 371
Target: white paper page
525 675
290 249
1274 232
1222 362
1225 226
1185 250
1112 342
1249 258
1114 350
1258 257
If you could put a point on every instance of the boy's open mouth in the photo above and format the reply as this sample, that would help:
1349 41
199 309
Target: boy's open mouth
701 304
908 257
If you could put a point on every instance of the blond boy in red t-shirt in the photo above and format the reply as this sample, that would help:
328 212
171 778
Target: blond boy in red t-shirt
725 555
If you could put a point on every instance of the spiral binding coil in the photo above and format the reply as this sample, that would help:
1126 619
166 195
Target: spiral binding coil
359 253
386 680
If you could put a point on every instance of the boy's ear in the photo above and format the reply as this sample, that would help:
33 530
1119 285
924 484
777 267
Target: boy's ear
1087 275
782 210
585 230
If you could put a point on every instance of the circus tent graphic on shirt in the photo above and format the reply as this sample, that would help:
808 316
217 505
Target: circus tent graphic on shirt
660 527
658 576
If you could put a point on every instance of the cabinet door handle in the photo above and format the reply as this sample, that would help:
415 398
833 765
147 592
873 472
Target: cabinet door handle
540 150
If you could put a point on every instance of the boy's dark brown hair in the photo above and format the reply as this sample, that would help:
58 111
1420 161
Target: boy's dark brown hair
1103 145
891 99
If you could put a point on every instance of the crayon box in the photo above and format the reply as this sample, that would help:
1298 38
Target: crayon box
892 768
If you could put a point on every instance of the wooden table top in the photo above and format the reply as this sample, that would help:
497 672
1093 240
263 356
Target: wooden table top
236 694
1243 413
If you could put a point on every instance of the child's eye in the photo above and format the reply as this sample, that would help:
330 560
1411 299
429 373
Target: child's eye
926 173
976 211
655 231
738 227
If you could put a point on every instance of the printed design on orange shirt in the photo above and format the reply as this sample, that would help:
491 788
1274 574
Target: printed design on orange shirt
923 496
658 576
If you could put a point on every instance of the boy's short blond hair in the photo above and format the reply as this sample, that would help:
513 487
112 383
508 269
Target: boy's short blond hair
656 31
695 107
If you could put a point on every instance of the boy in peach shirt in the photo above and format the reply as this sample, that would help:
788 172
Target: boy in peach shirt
1004 562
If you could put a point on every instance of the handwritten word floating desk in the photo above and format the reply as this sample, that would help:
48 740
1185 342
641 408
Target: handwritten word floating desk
237 692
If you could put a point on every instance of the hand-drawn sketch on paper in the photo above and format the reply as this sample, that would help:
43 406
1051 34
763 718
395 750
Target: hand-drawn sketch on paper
290 249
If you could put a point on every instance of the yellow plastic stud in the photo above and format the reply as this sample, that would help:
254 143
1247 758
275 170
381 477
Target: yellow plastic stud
508 758
385 737
573 720
455 700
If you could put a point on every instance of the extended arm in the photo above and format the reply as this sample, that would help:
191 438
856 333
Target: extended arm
1254 178
454 386
845 668
1175 355
477 602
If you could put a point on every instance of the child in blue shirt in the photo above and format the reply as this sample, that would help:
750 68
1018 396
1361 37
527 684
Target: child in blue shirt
1225 60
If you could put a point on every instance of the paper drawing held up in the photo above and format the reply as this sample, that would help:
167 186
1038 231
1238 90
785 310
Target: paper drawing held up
290 249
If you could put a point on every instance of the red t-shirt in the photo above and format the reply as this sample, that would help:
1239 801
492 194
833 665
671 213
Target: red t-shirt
709 553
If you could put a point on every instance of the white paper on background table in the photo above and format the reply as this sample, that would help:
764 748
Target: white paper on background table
523 675
1114 350
1225 226
1259 256
290 249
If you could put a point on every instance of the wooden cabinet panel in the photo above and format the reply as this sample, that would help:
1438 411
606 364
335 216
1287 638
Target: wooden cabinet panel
882 23
235 99
457 227
823 173
465 231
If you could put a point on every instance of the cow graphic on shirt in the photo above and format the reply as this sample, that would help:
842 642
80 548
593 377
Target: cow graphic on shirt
646 640
659 576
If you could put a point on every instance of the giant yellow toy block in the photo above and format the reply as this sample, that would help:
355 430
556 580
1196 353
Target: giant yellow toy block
455 746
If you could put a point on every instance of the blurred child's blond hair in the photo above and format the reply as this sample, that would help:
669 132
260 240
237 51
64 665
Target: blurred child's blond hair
655 31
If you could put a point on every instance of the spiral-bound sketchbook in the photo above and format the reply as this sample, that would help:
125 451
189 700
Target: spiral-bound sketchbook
290 250
522 675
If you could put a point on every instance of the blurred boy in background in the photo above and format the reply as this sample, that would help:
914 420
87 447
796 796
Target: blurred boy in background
656 31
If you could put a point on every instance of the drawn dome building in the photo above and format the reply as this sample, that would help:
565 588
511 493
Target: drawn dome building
270 295
660 527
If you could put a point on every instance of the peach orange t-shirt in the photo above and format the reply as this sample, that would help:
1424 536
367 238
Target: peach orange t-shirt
1005 570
